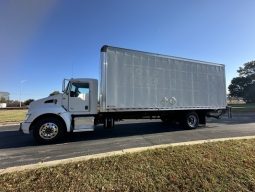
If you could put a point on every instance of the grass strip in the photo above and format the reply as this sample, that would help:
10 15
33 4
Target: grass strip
220 166
12 116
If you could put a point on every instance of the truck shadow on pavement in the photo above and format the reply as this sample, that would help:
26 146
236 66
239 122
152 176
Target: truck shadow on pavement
125 130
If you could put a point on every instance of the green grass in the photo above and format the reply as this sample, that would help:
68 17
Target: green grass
221 166
250 107
12 116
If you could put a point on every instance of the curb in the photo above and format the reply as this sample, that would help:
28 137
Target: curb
113 153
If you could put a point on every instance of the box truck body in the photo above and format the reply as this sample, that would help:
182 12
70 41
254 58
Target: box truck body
135 80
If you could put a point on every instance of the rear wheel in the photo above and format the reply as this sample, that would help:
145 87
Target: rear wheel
191 120
48 130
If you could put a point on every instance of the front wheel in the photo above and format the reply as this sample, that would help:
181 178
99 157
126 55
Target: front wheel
191 120
48 130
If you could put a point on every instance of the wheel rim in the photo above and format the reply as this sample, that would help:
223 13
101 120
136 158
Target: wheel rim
48 131
192 121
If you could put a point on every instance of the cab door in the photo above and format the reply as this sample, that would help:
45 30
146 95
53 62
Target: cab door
79 97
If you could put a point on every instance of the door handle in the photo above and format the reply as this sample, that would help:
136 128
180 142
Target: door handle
86 107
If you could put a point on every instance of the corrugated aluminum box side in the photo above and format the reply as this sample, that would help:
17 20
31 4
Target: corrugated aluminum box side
134 81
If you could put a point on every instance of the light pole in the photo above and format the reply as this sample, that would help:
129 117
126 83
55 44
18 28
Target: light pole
21 83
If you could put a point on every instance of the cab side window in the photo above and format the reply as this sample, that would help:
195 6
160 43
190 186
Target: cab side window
80 90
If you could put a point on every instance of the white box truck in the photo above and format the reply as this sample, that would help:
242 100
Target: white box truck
133 84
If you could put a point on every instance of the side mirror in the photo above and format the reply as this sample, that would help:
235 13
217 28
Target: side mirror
64 85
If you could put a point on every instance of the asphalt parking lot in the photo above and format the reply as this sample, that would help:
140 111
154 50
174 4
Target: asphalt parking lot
19 149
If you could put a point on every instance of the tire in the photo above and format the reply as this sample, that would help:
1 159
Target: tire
191 120
48 130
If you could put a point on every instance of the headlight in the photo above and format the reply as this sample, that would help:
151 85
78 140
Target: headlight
27 116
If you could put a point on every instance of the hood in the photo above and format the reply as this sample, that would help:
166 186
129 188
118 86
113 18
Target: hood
55 100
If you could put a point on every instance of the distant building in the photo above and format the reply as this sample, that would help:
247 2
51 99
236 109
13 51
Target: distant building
5 95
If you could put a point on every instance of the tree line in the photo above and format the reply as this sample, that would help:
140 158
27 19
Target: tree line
244 85
15 103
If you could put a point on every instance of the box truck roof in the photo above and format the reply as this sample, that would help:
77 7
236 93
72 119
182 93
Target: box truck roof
106 47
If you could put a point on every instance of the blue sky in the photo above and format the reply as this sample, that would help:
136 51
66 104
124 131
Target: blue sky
42 42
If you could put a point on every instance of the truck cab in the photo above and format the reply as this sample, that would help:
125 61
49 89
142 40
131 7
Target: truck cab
80 96
74 110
